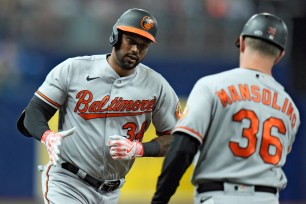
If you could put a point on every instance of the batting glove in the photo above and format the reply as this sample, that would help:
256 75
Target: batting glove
123 148
53 143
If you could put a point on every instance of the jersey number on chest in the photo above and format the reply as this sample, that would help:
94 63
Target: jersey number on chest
132 127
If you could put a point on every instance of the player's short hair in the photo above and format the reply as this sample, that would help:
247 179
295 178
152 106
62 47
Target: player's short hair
262 46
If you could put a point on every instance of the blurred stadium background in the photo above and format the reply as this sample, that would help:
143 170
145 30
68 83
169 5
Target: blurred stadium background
195 38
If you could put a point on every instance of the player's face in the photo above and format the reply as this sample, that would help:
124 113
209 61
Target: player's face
132 51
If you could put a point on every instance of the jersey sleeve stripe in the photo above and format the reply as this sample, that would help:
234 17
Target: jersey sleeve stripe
48 100
189 131
168 132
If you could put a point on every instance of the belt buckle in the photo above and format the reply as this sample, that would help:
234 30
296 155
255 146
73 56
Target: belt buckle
108 186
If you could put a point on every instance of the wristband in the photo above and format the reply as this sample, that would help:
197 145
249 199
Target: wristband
151 149
44 136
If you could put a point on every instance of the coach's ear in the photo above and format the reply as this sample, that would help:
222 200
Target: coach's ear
279 57
20 125
242 43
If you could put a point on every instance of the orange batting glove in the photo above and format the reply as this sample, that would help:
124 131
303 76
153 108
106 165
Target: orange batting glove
123 148
53 143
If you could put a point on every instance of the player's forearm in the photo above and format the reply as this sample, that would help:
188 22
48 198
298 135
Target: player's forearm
157 147
178 159
34 121
37 117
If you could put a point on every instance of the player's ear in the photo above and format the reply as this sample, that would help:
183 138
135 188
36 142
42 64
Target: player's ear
242 43
279 57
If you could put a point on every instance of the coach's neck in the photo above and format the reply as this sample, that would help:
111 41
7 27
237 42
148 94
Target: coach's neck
256 60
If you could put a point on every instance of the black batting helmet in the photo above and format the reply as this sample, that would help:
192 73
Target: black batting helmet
136 21
268 27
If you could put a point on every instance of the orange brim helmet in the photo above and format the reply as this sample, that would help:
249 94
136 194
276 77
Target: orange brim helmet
136 21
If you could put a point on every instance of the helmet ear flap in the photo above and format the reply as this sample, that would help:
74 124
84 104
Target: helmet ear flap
113 39
117 45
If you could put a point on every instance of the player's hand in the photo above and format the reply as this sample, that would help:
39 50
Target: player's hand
123 148
53 143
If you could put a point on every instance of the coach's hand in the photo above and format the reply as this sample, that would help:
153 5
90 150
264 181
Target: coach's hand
123 148
53 143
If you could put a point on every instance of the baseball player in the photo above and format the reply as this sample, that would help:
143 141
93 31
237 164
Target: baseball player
106 103
241 122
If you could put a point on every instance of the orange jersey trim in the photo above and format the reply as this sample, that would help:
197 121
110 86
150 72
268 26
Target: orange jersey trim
88 116
190 130
47 180
168 132
48 99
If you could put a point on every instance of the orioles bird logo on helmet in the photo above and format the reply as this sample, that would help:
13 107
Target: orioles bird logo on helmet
147 23
272 32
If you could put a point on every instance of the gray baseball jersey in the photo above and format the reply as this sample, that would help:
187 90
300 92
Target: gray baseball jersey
91 96
246 123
